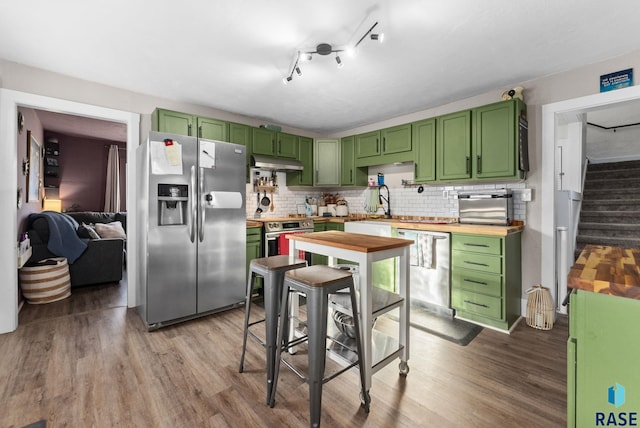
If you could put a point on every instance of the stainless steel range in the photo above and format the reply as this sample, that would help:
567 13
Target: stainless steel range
275 232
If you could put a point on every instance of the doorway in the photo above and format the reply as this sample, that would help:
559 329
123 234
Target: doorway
9 102
553 117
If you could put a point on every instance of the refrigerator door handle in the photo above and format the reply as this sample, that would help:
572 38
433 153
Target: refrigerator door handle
193 205
202 205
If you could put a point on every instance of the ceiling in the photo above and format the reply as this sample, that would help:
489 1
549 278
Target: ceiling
232 55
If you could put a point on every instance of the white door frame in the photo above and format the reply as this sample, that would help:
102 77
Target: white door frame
550 114
10 100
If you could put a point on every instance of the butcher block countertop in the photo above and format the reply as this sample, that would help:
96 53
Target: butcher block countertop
607 270
352 241
426 224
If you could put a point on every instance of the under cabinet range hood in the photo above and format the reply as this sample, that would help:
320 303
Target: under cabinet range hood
275 164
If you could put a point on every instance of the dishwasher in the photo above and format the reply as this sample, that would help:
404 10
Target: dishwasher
430 273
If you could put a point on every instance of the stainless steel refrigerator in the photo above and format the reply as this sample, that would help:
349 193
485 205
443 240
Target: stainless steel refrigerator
191 217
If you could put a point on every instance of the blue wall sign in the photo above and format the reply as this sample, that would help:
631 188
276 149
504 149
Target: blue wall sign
616 80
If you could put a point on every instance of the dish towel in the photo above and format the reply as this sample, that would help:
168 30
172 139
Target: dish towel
425 250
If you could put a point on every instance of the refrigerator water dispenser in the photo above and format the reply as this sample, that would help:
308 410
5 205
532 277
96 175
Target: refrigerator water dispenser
172 204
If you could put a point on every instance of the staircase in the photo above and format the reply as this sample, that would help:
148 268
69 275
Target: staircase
610 213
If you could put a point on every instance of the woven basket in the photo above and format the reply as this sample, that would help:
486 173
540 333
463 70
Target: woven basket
540 310
48 281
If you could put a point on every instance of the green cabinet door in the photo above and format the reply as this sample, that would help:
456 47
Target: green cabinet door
317 259
347 161
494 140
254 246
368 144
603 349
326 159
240 134
263 142
213 129
350 175
396 139
172 122
305 155
424 143
453 146
287 146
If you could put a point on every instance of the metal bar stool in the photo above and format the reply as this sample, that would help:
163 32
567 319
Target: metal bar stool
317 283
272 269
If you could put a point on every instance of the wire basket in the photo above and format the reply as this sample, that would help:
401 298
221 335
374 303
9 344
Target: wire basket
540 310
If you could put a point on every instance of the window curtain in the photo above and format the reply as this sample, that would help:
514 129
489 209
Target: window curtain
112 193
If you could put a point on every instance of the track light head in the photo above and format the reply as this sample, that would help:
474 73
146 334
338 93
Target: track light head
287 79
339 61
298 72
378 37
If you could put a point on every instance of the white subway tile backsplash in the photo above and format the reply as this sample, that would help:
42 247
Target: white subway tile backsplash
404 200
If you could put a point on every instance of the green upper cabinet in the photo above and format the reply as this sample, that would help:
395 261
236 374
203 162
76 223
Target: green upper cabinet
424 143
305 155
453 146
396 139
212 129
326 159
287 146
263 142
270 143
481 143
368 144
388 145
349 174
174 122
495 128
241 134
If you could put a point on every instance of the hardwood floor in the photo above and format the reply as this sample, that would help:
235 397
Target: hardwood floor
89 361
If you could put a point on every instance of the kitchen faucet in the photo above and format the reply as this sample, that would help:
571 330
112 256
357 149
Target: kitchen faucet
387 213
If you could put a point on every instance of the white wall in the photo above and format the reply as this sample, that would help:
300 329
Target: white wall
609 146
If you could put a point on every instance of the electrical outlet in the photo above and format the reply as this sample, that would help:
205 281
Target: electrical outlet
526 195
445 194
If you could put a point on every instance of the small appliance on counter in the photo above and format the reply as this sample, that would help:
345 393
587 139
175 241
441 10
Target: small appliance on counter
491 207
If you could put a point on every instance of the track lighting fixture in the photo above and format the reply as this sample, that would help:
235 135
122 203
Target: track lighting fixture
326 49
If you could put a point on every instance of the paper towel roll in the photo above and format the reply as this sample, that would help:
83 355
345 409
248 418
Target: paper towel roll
222 200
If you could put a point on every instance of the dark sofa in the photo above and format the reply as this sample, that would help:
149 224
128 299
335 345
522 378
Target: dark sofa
101 262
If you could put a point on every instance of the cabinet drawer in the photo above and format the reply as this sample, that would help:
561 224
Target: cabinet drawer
478 282
477 303
477 244
254 234
479 262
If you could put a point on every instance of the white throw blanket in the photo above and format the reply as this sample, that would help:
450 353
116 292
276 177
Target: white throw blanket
425 250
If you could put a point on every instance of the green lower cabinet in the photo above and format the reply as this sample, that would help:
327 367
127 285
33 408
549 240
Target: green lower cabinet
602 361
317 259
486 278
254 249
